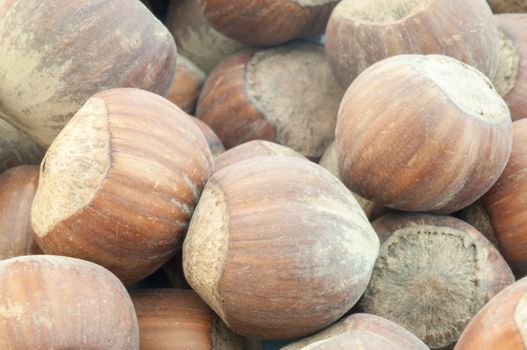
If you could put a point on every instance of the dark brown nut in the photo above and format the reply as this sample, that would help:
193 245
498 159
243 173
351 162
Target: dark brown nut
186 85
501 6
268 22
252 149
278 247
506 203
396 336
179 319
433 274
501 324
58 53
511 78
17 189
360 33
56 302
120 182
215 145
196 39
16 148
476 215
422 133
271 95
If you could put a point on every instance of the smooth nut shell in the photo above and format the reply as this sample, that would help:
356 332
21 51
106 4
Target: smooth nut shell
186 85
179 319
17 189
410 139
506 203
252 149
268 22
463 29
501 324
148 162
215 145
396 336
509 6
55 302
278 247
48 74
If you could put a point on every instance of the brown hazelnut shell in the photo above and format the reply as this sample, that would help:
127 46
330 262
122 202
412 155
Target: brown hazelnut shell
57 54
186 85
362 33
17 189
16 148
56 302
148 162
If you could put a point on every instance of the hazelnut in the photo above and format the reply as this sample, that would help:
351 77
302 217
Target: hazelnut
506 203
360 33
476 215
16 148
56 302
186 85
58 53
329 162
179 319
396 336
433 274
278 247
511 78
270 95
17 189
196 39
352 340
215 145
268 22
120 182
499 6
252 149
422 133
501 324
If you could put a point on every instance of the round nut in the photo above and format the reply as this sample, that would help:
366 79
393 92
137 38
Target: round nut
422 133
55 302
278 247
120 182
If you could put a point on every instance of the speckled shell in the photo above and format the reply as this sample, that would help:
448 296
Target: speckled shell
396 336
159 163
17 189
179 319
278 247
463 29
55 302
501 324
267 22
506 203
58 53
515 28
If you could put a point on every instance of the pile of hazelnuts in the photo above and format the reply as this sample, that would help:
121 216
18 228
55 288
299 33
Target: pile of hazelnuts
328 174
